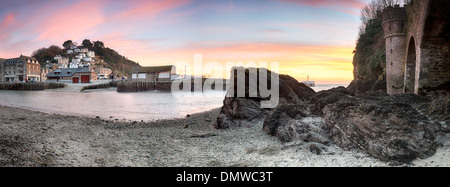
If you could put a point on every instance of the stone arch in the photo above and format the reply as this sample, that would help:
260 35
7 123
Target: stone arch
434 48
410 67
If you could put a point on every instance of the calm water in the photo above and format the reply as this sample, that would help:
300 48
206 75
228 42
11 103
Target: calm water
320 87
108 102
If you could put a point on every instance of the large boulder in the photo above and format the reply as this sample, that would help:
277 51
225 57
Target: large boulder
361 86
247 111
325 97
387 127
291 123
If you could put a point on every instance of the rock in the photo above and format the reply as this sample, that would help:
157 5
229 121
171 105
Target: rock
439 107
246 111
387 127
323 98
314 148
361 86
290 123
281 117
203 135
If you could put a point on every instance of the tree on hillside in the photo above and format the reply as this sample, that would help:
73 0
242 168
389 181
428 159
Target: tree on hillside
67 44
44 54
87 43
369 59
373 10
99 44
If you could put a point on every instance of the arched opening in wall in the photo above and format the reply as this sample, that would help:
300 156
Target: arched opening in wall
435 49
410 68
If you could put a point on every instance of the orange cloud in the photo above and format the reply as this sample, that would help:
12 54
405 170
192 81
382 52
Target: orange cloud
325 64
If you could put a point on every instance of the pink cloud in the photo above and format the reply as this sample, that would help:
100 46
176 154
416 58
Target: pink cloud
9 18
140 8
74 21
346 6
328 3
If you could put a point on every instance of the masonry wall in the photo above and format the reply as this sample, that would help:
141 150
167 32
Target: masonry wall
423 55
394 26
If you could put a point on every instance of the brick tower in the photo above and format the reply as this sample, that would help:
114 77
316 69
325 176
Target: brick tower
394 26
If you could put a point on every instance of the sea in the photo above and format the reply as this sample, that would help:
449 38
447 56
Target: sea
109 104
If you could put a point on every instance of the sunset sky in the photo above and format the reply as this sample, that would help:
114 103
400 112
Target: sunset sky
314 37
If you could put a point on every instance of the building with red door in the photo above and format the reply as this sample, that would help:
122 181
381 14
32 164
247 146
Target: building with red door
72 75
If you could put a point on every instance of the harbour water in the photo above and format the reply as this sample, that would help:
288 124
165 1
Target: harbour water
321 87
108 102
105 103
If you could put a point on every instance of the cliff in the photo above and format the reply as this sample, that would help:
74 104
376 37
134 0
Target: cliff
369 61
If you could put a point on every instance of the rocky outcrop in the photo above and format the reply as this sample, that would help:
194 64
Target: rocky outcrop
398 128
325 97
361 86
247 111
387 127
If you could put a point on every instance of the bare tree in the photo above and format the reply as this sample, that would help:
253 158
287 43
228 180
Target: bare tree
374 9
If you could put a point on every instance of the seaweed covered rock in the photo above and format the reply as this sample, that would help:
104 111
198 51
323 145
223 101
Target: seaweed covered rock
387 127
246 110
325 97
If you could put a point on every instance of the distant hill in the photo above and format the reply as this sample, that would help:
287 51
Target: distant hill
119 64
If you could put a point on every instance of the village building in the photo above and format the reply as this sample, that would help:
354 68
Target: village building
103 73
44 72
90 54
21 69
72 75
154 73
70 51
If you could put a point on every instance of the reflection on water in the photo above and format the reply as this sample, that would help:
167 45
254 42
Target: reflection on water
320 87
105 103
108 102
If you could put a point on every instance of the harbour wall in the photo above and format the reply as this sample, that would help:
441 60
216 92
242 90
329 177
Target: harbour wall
195 84
30 86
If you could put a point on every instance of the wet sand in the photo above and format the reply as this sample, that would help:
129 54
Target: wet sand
30 138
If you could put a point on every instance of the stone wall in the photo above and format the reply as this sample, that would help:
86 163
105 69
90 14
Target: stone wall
139 86
423 60
31 86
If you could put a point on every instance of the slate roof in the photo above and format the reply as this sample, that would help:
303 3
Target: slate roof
67 72
151 69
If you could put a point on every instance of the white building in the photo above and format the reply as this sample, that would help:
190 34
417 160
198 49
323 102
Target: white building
87 59
58 57
70 51
76 60
84 50
77 50
91 54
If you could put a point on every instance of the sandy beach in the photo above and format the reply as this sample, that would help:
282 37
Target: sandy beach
30 138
